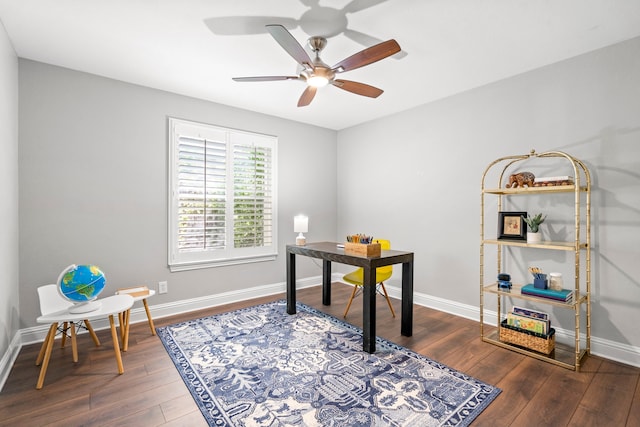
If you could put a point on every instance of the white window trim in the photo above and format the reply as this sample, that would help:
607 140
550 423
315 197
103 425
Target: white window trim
208 259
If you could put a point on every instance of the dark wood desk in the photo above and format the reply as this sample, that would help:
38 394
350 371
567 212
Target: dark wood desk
329 252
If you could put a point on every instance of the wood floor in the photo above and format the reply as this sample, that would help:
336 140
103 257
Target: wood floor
151 393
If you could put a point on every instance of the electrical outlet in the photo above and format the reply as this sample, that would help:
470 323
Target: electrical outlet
163 287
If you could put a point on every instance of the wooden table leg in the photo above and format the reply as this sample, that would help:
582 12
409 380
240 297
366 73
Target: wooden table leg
65 327
151 325
116 345
74 343
124 329
94 337
46 355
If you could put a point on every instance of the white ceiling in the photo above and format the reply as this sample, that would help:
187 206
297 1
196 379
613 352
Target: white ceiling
195 47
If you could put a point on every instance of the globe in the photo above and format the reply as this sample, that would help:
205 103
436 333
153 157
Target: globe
81 284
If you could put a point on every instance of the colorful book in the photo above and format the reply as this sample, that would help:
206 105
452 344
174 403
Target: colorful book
529 312
563 295
528 323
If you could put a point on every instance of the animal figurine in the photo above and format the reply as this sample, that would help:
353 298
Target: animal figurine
521 179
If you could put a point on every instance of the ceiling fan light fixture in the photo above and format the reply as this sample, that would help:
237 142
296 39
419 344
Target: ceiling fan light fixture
317 81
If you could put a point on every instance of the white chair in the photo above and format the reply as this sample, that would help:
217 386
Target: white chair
51 302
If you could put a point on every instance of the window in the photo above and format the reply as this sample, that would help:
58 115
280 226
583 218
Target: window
222 197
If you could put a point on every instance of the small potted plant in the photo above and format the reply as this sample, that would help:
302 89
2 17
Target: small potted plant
534 235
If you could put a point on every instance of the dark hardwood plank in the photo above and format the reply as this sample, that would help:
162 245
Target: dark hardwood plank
634 414
151 392
608 399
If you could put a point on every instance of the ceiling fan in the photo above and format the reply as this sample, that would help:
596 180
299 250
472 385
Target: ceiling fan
318 74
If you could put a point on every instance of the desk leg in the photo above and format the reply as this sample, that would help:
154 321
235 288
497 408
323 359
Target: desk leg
406 327
116 344
326 282
44 357
291 283
369 310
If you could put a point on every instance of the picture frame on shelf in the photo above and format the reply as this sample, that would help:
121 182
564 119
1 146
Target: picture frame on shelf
511 226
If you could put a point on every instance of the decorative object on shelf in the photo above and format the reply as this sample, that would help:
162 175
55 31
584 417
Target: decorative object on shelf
504 281
563 295
555 281
539 278
552 181
301 225
542 343
511 226
521 179
534 235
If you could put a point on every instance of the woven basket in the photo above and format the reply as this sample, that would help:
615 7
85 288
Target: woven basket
531 340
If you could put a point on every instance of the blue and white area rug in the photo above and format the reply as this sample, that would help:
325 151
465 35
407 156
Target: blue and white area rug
260 366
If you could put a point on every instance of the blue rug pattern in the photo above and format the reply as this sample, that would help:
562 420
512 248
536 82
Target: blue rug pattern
260 366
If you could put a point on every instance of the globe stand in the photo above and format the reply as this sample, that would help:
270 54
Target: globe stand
85 307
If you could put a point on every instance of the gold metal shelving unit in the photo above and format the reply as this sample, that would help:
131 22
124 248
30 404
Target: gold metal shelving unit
564 355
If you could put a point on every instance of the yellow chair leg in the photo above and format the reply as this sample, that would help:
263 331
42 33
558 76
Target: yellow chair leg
393 313
353 294
146 308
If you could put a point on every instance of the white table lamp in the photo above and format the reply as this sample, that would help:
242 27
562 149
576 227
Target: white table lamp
300 225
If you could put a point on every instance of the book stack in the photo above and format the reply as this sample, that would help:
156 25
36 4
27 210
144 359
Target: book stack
563 295
530 320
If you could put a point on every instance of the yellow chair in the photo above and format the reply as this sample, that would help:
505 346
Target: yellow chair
382 274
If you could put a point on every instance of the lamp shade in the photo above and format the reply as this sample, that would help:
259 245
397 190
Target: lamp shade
300 224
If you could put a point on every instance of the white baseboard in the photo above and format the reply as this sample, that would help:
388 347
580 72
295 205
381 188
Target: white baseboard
619 352
8 358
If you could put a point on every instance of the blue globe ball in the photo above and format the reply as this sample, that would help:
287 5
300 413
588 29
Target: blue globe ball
81 283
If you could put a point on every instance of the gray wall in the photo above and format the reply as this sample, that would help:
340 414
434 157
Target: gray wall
428 164
8 194
93 171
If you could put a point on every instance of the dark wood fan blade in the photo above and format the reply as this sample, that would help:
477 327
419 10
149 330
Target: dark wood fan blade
368 56
358 88
307 96
264 78
290 44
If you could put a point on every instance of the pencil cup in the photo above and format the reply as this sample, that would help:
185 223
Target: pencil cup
540 283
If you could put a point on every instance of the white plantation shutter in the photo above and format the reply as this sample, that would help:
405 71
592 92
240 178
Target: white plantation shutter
222 196
252 195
